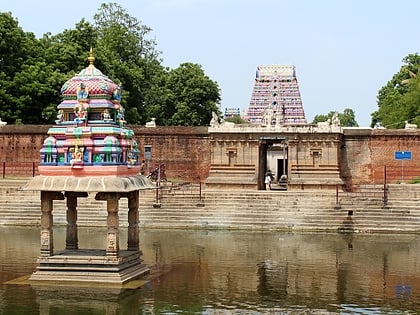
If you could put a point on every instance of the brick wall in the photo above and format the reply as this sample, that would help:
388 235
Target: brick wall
186 152
384 144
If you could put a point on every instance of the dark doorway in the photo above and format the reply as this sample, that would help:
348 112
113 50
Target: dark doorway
271 158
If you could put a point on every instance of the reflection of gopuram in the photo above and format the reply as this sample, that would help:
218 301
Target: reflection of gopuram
89 151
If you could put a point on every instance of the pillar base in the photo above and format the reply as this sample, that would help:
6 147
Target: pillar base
89 266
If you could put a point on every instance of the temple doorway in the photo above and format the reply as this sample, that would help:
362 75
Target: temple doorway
273 159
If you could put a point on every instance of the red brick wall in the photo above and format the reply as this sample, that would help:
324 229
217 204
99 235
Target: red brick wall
186 152
384 144
366 153
356 163
21 143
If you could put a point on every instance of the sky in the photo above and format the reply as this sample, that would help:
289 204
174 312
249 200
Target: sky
344 51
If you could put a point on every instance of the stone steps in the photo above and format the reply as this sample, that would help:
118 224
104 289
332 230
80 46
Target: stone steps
236 209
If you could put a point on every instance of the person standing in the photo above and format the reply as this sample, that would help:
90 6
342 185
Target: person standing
267 181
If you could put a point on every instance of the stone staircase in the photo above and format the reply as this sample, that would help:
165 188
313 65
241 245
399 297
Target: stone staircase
182 206
368 212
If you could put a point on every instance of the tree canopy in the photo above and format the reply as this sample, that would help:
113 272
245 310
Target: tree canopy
347 118
33 70
399 99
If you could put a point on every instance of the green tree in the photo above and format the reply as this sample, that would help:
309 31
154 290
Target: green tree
16 52
32 71
398 101
237 119
347 118
127 54
67 51
193 96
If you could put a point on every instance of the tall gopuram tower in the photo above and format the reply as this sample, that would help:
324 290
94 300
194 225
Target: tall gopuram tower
90 152
275 97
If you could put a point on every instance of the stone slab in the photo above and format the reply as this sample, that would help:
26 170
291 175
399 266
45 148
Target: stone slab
89 184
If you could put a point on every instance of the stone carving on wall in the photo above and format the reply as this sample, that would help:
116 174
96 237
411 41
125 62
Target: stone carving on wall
410 126
217 122
268 115
152 123
214 122
332 124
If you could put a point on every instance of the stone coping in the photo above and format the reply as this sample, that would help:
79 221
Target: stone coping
89 184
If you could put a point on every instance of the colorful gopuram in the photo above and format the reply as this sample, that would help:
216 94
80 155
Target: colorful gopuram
275 97
90 130
90 151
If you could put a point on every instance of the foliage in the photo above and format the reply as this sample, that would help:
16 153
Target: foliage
193 96
415 180
347 118
399 99
237 119
32 71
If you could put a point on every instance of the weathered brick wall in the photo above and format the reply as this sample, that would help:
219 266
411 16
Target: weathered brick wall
384 143
367 153
21 143
356 163
186 152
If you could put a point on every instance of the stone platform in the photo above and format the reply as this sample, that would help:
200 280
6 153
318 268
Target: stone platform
91 266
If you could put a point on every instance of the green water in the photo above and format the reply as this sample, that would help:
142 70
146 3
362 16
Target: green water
229 272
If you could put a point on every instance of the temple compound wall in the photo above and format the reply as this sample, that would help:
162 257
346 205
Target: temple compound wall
239 156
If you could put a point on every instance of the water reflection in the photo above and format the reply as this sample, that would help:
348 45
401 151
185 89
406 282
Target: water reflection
230 272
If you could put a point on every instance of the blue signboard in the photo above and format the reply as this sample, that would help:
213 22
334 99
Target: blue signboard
403 155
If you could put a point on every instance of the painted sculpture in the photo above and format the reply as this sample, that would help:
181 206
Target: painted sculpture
90 130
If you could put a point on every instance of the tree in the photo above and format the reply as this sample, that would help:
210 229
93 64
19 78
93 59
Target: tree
237 119
398 100
127 55
32 71
16 51
347 118
192 96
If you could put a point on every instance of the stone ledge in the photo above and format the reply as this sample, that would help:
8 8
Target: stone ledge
89 184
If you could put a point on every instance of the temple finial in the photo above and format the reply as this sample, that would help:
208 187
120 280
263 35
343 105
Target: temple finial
91 58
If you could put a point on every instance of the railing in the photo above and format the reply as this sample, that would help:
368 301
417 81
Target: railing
373 192
19 169
186 189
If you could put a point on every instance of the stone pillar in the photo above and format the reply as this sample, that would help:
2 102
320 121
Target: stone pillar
133 243
47 244
71 236
112 248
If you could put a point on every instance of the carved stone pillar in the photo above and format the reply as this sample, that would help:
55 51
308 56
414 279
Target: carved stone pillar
71 236
113 241
47 244
133 242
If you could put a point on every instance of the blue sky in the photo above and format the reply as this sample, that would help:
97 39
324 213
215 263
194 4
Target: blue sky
343 51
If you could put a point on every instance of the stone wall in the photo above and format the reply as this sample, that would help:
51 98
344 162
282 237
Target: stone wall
187 154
